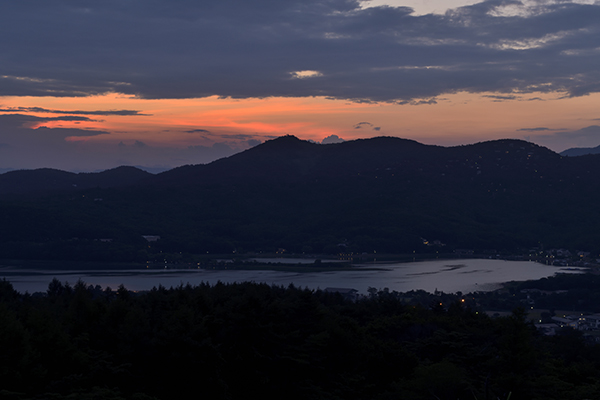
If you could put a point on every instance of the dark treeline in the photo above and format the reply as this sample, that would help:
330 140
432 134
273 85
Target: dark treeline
579 292
254 340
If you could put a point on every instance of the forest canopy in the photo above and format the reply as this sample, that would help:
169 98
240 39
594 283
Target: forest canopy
231 340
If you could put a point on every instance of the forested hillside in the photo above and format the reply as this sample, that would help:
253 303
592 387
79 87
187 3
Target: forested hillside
254 340
384 195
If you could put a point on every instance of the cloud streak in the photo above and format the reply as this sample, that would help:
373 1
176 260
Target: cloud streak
588 136
25 144
76 112
25 121
362 125
340 50
538 129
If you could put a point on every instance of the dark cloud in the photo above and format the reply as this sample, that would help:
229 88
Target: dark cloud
589 132
20 128
68 118
198 131
78 112
540 129
22 120
68 132
25 144
332 139
585 137
29 145
534 129
329 48
416 102
361 124
501 98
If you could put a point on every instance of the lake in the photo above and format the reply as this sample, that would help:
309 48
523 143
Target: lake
445 275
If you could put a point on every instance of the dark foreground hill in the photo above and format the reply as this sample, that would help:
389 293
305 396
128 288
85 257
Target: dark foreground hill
377 195
231 341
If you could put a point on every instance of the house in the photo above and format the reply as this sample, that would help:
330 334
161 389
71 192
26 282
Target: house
566 322
589 322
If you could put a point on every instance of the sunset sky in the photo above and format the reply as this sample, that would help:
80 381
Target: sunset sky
90 85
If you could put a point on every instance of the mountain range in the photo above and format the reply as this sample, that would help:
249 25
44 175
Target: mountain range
371 195
580 151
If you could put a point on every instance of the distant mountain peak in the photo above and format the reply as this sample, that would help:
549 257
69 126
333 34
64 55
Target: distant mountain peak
580 151
284 141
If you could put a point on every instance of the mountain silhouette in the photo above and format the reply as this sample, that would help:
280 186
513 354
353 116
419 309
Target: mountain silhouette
383 194
580 151
47 180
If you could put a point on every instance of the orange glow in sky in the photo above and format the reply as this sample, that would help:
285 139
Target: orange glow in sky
456 119
182 125
441 72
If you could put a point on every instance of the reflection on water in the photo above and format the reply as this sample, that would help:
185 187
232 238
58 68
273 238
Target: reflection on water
444 275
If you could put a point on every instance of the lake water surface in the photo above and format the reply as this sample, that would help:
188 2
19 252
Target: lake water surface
445 275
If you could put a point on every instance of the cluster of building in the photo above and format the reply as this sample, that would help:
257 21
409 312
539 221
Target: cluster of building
589 323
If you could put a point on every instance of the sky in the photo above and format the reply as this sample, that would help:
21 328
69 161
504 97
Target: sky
91 85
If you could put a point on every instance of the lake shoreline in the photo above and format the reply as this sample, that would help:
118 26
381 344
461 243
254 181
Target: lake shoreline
466 275
270 262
